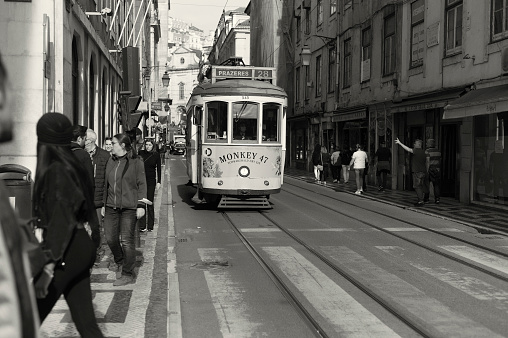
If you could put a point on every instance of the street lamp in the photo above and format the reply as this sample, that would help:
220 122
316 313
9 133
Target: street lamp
306 55
165 79
166 107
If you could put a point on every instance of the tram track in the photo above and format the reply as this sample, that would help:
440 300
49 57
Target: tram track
439 252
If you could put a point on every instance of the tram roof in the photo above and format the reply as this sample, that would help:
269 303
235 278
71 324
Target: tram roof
233 87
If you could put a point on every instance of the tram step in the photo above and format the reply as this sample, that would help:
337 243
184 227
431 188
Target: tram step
231 202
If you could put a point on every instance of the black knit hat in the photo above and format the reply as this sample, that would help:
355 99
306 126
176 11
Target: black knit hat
54 129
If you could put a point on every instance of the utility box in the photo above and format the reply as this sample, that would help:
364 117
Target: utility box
19 183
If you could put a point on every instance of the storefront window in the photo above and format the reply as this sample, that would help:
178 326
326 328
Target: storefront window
490 180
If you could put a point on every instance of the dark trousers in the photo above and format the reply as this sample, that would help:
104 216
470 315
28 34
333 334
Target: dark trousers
119 228
420 185
148 220
381 177
73 281
336 172
436 183
323 175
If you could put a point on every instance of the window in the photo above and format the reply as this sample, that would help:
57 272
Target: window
331 69
333 6
216 113
182 61
297 85
499 18
271 113
298 29
389 45
348 60
348 4
319 13
453 26
307 20
417 32
319 66
307 82
245 121
366 54
181 91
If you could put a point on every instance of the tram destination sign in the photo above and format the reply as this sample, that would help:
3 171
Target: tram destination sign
255 73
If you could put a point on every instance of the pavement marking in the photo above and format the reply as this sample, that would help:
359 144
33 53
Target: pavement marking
228 298
325 230
260 230
439 319
471 286
492 261
423 230
102 301
348 317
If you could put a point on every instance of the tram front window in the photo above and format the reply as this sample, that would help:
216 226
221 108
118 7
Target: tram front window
245 121
217 122
271 113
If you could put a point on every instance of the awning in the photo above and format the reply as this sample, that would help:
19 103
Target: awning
479 102
426 101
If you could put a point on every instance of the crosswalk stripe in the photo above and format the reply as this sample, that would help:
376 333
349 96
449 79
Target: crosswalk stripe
440 320
471 286
348 317
227 298
489 260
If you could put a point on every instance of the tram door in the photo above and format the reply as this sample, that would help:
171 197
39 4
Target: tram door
448 148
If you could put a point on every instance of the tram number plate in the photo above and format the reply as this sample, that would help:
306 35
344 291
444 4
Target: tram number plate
263 73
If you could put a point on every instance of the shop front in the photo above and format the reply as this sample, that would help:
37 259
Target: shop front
299 144
421 118
484 116
381 130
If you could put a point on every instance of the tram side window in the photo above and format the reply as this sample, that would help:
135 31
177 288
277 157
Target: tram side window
245 121
271 113
217 122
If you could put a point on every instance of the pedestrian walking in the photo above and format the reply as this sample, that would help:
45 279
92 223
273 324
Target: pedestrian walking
336 163
317 162
99 159
124 190
418 169
108 145
63 202
358 162
433 164
77 147
383 157
345 159
325 158
162 151
152 163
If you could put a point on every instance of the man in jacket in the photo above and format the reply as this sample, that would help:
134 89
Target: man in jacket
418 169
433 163
99 159
77 145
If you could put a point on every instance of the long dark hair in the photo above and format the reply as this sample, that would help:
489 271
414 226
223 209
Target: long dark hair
124 138
48 154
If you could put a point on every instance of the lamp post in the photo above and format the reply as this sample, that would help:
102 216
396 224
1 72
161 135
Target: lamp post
165 83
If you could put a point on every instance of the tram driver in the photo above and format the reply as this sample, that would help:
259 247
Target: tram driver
242 134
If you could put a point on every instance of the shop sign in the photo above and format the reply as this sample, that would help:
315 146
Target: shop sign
156 105
419 106
350 116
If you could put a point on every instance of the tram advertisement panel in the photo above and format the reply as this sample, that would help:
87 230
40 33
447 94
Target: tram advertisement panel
240 164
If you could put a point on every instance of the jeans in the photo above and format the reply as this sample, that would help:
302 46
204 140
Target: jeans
381 178
420 186
119 228
345 172
336 172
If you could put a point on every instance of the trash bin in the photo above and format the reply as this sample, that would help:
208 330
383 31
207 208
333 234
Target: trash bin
19 182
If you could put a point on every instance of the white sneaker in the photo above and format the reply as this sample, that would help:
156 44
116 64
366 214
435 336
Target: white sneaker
358 192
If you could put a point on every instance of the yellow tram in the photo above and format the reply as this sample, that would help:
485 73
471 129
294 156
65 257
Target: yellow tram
236 132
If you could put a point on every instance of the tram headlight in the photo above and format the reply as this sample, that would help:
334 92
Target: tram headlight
267 183
244 171
220 182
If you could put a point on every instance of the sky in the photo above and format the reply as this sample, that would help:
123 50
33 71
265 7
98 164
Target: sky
203 14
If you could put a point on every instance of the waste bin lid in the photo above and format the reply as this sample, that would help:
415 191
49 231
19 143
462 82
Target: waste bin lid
15 172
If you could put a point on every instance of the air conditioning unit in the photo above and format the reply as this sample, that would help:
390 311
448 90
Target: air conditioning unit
504 60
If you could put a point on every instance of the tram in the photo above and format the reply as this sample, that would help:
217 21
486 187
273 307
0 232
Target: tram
236 132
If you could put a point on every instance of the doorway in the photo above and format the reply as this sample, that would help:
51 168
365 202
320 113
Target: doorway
449 155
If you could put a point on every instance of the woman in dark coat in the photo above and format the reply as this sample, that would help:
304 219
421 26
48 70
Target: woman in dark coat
152 162
316 160
63 203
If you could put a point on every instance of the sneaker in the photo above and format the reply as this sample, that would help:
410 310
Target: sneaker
437 201
334 181
150 230
419 204
361 191
123 280
143 230
358 192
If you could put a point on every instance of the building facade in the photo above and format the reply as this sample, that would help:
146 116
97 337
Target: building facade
66 56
